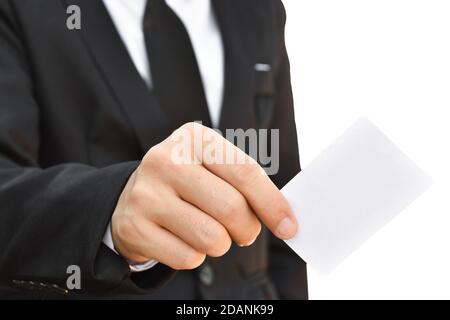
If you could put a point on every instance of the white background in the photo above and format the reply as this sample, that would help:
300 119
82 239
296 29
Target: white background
388 60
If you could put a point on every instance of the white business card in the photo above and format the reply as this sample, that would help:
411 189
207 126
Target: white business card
350 191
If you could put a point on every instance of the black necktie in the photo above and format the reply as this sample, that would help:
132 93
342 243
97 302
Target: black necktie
175 74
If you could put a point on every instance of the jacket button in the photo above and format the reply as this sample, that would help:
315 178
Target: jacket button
206 275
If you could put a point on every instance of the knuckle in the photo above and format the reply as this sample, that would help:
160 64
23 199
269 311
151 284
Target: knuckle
138 198
247 173
188 126
136 194
232 207
156 155
191 126
218 243
212 134
163 158
125 228
222 247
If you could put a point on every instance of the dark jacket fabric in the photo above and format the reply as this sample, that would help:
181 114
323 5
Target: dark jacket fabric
76 118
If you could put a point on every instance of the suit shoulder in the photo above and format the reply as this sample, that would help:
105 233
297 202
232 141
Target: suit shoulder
23 8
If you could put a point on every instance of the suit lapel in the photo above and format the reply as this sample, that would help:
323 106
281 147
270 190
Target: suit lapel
150 123
239 35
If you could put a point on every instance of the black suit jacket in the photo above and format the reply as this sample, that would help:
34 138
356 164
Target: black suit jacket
76 117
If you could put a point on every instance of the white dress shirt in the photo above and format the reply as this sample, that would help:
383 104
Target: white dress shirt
199 20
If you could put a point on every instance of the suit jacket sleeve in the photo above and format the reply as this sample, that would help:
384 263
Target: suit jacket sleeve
287 270
52 218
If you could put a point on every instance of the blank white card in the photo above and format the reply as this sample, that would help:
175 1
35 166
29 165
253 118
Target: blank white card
348 193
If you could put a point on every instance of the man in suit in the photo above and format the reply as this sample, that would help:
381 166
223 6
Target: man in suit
86 174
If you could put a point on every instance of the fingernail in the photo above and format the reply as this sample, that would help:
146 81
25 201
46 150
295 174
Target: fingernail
248 244
286 229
